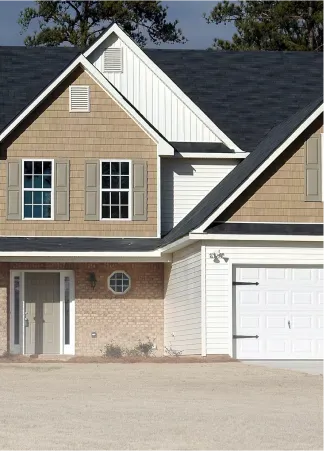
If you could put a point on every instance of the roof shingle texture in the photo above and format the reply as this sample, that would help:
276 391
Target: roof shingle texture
25 72
245 94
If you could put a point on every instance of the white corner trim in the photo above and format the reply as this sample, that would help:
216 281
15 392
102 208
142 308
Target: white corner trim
177 91
163 146
211 155
260 169
203 302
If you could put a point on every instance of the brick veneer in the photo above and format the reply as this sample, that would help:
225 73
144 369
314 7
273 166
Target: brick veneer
123 319
107 132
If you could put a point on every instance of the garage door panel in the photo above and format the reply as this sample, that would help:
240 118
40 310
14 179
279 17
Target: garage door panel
276 298
284 310
276 273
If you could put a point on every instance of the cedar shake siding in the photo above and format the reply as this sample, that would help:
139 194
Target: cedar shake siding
278 195
106 132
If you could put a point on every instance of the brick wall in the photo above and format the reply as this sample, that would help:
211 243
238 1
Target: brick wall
106 132
124 319
278 195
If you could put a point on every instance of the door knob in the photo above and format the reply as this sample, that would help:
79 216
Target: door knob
289 324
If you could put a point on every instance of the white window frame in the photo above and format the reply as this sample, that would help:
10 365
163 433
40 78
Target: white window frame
129 190
121 292
23 189
79 110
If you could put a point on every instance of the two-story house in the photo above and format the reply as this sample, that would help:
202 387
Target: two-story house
169 194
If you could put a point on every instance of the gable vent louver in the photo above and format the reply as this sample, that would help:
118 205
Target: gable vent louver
113 60
79 99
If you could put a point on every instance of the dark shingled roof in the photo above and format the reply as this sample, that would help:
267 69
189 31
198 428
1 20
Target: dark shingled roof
201 147
71 244
245 94
25 72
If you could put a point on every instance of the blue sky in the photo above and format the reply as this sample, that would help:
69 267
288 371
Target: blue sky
189 14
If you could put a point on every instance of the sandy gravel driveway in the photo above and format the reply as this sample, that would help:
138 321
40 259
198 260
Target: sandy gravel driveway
158 406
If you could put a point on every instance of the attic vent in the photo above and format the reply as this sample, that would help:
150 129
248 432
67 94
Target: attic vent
79 99
113 60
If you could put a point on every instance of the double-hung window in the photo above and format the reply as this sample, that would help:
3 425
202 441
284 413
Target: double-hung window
115 189
38 189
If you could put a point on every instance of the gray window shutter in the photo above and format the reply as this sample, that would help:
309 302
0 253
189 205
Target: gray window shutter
313 176
92 190
139 191
14 190
62 190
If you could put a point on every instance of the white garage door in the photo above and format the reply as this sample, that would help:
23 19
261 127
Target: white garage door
283 306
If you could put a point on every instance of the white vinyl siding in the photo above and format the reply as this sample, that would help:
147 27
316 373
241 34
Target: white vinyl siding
182 302
219 291
185 182
149 94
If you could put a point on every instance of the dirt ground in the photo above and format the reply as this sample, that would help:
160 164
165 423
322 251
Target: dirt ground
143 406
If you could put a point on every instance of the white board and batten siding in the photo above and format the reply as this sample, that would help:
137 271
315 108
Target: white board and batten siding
185 182
219 276
150 95
182 301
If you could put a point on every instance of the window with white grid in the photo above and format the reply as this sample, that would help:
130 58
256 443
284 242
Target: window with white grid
115 189
38 189
119 282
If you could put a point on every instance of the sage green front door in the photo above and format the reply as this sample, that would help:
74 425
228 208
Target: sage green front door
42 313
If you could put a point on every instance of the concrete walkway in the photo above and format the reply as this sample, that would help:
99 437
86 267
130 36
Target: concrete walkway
304 366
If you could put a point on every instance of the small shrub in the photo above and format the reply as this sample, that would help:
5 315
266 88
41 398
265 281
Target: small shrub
145 349
113 350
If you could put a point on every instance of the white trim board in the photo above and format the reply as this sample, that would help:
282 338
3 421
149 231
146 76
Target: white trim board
260 169
178 92
164 148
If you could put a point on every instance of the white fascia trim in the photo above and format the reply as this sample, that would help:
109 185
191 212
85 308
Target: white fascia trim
177 91
237 237
214 156
164 147
76 255
260 169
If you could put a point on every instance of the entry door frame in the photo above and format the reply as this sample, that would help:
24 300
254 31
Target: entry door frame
17 276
